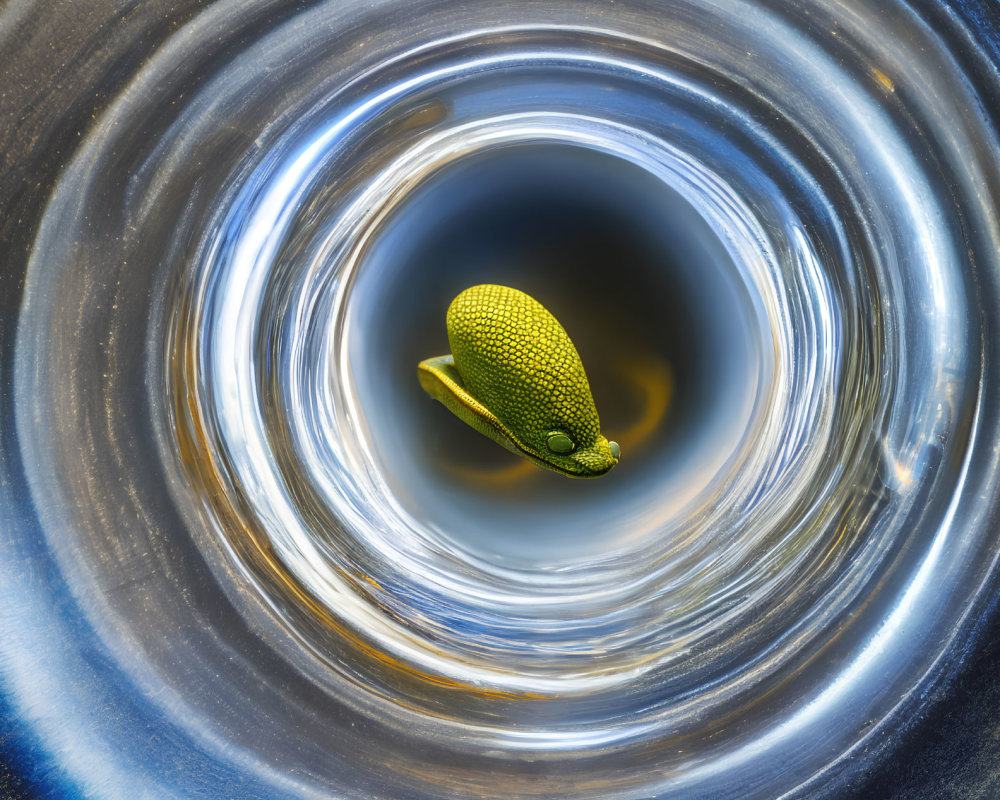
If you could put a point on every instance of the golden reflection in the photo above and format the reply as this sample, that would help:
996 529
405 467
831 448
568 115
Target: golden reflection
884 80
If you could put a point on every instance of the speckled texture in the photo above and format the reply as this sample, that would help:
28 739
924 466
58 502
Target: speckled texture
515 376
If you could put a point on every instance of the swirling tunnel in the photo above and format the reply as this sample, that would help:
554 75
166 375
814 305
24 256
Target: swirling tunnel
244 555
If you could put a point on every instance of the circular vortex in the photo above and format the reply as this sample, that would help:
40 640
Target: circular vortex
255 560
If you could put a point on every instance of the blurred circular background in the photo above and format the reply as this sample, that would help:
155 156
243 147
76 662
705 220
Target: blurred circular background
244 555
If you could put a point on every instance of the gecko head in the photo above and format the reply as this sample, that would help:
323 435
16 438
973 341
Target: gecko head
561 453
515 376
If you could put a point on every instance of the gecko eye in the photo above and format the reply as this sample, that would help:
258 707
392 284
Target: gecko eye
560 443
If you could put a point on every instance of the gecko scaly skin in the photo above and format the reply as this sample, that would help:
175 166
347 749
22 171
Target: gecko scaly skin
515 376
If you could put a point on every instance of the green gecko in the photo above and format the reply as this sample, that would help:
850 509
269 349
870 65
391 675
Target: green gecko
515 376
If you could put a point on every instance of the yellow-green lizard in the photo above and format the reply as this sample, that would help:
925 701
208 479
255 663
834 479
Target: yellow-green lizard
515 376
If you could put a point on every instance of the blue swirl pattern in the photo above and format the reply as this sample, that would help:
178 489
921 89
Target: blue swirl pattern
246 557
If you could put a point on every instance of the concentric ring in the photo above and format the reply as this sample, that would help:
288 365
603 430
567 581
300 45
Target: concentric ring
770 230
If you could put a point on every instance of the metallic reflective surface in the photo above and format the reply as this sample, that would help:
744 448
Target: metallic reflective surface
243 554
